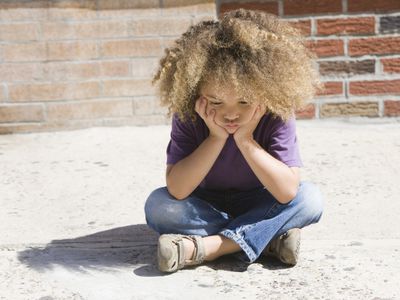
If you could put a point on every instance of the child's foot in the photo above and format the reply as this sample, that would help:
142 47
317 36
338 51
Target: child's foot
285 247
174 252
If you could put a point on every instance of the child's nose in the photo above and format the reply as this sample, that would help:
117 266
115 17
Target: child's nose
231 116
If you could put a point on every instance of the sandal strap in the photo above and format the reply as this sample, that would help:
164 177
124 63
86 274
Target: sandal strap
181 252
198 255
199 251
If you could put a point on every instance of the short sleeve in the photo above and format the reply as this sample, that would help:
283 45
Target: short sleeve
283 143
182 142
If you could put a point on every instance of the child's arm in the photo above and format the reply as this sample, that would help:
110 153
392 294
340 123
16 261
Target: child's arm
184 176
280 180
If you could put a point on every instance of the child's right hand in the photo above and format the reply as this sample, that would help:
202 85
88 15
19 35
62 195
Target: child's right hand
209 118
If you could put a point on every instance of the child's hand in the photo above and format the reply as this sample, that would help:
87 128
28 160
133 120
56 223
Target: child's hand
245 132
209 119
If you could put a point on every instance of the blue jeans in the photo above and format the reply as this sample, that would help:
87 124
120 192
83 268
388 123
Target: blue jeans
250 218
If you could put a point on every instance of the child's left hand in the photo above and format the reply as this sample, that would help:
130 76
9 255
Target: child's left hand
245 132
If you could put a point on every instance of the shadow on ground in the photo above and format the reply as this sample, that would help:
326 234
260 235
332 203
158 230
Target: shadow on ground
109 249
132 246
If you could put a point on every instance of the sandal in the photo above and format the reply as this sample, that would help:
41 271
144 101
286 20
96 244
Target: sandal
171 253
285 247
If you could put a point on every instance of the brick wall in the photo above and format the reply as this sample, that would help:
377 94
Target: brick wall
358 48
69 64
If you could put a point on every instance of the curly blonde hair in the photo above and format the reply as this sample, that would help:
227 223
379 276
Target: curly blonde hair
262 57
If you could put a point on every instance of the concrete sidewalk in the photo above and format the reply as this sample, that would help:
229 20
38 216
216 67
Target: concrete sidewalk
73 227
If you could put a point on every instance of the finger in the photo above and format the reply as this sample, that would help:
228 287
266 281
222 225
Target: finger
196 106
264 109
256 112
211 115
208 114
261 111
206 109
257 115
201 107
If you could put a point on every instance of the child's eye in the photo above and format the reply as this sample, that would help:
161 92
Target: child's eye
244 102
215 103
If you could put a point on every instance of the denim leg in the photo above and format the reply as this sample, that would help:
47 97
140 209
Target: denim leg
254 229
191 216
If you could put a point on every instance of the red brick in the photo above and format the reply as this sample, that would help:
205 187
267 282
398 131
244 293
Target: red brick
139 120
71 14
387 45
8 128
24 52
344 26
21 113
19 32
13 72
347 68
168 42
20 10
156 27
53 91
72 50
144 67
303 25
179 3
72 10
66 4
375 87
175 8
270 7
115 88
57 71
308 112
326 48
114 68
145 105
77 31
2 93
392 108
127 4
391 65
107 9
372 5
311 7
89 109
126 48
365 109
332 88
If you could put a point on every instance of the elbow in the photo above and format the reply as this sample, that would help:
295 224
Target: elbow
177 190
287 197
176 194
285 200
290 193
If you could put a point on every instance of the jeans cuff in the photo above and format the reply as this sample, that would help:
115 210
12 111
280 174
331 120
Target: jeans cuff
251 255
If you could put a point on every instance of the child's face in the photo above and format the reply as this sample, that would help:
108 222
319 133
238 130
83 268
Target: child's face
231 110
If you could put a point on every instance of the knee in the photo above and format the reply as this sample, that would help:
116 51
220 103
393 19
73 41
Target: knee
162 210
311 200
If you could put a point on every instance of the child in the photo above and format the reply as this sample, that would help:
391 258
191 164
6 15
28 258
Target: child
233 180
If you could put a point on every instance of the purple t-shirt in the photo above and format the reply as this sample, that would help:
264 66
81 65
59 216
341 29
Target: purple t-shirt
230 170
